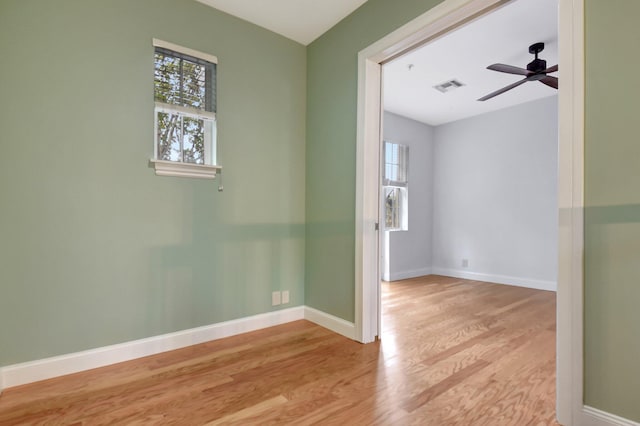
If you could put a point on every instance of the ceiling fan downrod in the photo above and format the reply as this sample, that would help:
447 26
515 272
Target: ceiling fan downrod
537 65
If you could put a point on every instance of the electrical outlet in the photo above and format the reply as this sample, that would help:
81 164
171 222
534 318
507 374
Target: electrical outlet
285 297
465 263
275 298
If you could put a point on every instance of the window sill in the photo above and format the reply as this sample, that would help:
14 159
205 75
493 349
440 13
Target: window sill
174 168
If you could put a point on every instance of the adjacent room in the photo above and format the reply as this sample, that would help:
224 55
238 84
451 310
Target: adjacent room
469 252
477 192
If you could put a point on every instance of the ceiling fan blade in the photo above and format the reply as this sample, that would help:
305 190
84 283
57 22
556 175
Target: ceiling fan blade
550 81
551 69
504 89
508 69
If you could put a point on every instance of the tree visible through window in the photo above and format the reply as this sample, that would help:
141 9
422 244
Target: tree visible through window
185 96
395 182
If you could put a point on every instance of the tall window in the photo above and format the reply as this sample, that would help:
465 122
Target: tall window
395 182
185 105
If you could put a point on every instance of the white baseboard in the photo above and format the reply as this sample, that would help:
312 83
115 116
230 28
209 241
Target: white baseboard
33 371
497 279
403 275
594 417
333 323
28 372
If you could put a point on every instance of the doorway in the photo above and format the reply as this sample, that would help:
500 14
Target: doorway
445 17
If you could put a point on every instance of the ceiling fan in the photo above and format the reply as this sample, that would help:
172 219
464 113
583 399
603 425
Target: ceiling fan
536 71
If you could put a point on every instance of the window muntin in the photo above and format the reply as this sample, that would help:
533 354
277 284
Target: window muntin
185 106
395 183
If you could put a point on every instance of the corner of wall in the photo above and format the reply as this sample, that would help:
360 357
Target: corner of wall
414 273
330 322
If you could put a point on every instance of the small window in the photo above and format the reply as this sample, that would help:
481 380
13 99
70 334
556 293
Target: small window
185 111
395 183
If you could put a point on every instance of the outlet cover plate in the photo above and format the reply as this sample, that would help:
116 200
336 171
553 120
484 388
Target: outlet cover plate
275 298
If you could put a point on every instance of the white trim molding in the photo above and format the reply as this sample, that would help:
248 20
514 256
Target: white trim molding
33 371
367 221
29 372
570 294
498 279
330 322
177 168
184 50
594 417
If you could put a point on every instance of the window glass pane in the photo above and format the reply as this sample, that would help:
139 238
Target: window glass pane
181 81
193 140
167 79
394 172
391 208
395 205
193 85
396 158
169 131
210 138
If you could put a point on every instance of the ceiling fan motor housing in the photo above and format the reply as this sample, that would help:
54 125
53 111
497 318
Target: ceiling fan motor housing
537 65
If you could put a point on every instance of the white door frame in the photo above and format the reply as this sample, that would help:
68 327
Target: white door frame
435 22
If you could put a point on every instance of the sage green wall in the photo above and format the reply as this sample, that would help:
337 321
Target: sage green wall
612 197
94 248
332 70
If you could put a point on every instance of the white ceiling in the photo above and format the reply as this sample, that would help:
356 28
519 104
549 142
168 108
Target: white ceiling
502 36
299 20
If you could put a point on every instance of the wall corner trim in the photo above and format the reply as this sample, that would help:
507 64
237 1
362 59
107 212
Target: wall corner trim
328 321
33 371
594 417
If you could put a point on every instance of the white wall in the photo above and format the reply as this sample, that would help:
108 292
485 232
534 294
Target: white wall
495 197
482 189
410 251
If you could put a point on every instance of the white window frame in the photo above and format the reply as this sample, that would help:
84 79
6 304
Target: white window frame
402 186
209 169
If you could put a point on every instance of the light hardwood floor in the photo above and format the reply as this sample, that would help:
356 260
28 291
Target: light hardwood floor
453 352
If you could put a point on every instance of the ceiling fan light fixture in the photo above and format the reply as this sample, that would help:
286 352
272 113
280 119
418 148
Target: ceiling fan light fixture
448 86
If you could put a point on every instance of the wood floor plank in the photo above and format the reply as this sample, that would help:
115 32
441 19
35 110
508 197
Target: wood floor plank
452 352
250 412
443 386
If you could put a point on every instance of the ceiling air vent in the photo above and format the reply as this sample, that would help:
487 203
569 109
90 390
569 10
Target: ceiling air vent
448 86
